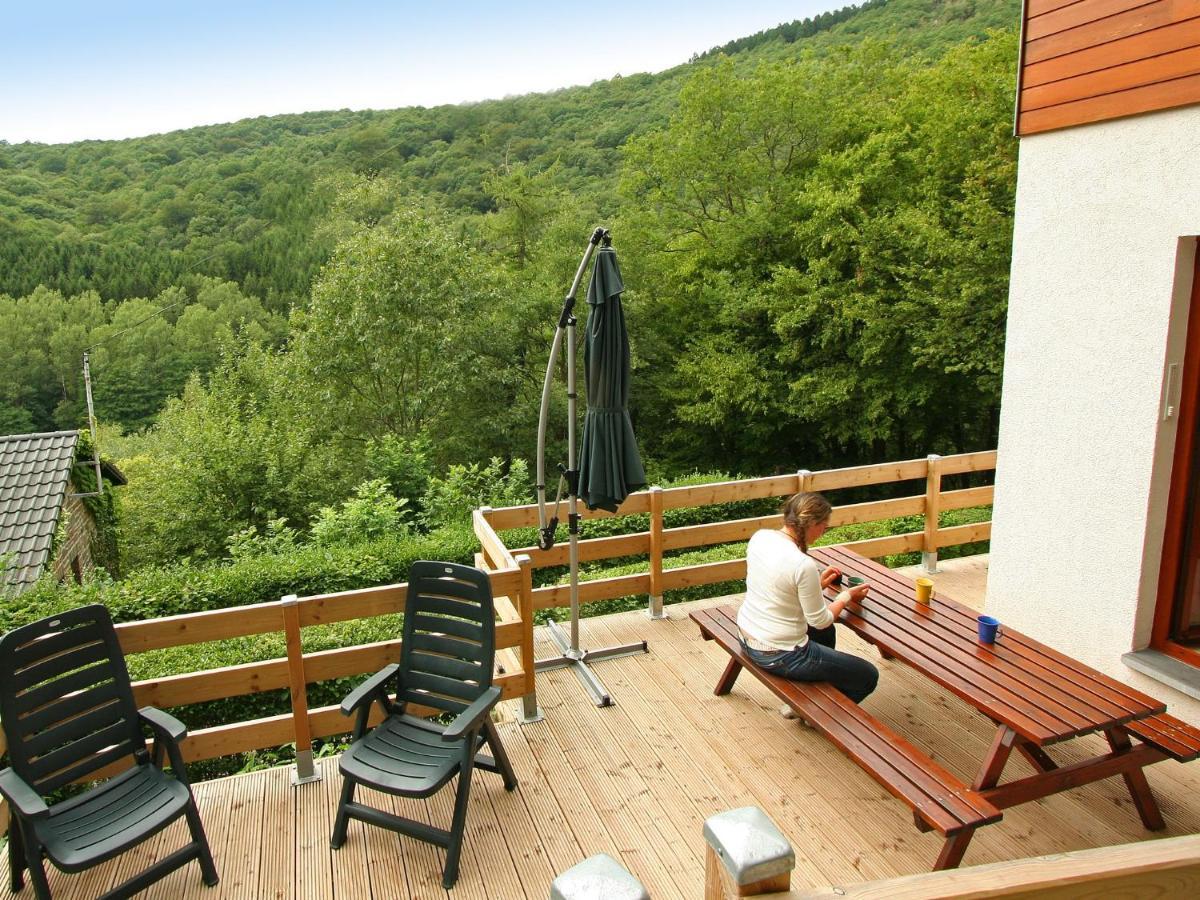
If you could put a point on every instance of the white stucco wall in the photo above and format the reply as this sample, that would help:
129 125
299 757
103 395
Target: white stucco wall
1101 278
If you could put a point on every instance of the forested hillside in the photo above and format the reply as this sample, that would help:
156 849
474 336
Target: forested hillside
813 224
242 201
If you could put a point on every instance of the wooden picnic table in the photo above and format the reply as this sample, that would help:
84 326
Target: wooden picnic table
1036 696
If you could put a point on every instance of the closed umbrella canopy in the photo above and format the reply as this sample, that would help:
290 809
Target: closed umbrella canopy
609 464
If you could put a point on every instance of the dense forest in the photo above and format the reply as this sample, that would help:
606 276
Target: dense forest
290 313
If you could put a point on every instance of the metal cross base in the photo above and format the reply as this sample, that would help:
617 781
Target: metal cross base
579 659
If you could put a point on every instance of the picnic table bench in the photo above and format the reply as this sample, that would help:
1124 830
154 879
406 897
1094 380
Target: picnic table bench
1036 696
938 798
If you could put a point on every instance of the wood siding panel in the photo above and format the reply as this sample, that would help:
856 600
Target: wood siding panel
1112 28
1131 49
1094 60
1078 14
1041 7
1110 81
1181 92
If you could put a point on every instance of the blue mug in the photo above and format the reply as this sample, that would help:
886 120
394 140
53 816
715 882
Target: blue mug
989 627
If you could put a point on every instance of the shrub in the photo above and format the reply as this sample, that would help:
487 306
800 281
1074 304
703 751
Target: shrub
403 463
467 487
372 513
276 538
192 587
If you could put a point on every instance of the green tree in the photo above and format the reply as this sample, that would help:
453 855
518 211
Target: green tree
372 513
234 454
389 341
526 202
836 290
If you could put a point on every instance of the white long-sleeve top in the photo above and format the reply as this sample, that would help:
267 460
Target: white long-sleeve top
783 592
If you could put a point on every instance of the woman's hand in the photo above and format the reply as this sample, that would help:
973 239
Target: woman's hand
830 577
847 597
857 594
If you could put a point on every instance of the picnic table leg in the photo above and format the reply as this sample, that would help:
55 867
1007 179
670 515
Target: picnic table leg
1139 787
993 763
988 777
1038 758
953 850
725 685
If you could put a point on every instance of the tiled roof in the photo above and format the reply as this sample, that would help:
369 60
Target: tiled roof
35 471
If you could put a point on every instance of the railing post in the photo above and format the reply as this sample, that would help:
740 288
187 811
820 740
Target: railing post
747 855
803 479
656 554
304 771
933 505
529 708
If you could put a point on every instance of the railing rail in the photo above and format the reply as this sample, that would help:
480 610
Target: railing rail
658 540
642 543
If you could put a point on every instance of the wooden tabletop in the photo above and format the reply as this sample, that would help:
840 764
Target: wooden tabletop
1043 695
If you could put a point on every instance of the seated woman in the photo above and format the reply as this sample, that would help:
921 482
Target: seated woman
786 625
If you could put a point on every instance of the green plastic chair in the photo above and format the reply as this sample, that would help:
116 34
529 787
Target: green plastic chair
67 708
446 661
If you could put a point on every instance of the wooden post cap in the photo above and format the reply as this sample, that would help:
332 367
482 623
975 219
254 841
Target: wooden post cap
598 877
749 845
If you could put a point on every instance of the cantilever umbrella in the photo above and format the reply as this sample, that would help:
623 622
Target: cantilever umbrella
609 464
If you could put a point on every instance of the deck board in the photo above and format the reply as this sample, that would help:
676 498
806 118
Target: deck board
636 781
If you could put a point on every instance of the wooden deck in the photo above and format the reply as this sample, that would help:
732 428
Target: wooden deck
637 781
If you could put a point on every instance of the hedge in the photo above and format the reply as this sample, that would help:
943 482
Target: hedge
184 588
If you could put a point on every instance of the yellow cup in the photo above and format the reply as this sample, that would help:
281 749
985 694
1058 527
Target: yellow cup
924 589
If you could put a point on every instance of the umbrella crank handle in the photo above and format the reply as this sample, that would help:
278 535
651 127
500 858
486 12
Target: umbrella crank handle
546 535
571 476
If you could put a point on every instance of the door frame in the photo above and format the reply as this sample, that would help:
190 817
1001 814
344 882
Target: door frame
1186 446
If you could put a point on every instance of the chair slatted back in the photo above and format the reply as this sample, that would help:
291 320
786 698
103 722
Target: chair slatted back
449 639
66 703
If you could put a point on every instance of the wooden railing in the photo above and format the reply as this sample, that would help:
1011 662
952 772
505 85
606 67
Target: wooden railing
511 573
656 501
298 669
1168 867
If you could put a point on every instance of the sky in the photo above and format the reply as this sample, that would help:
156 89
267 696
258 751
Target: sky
107 69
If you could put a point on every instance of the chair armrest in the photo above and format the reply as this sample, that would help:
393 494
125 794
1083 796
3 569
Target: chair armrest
168 732
367 691
163 724
25 800
471 717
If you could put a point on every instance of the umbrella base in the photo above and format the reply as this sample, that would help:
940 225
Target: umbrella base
578 660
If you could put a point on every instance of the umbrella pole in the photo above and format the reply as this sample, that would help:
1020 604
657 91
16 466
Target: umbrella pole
571 654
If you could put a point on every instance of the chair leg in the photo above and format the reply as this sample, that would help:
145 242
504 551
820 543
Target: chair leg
37 869
342 820
458 825
208 868
492 736
16 854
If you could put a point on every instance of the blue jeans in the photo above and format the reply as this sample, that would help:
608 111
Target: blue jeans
817 660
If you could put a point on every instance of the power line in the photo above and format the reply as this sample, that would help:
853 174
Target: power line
138 324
